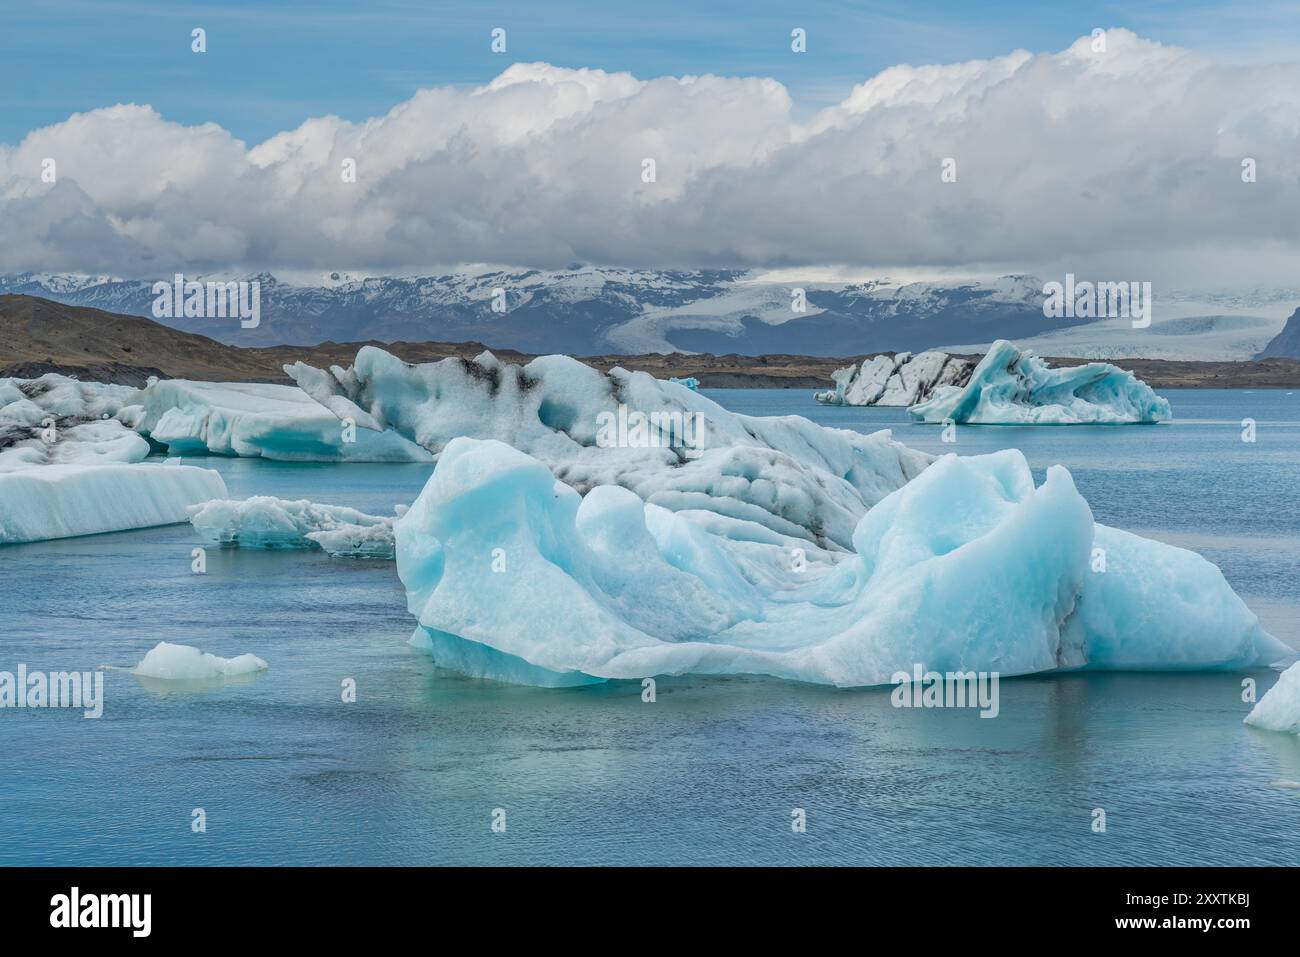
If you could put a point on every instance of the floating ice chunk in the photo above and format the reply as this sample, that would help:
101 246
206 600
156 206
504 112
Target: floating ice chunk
900 380
266 522
59 420
357 541
169 662
59 501
1156 607
1010 387
690 382
1279 709
968 567
783 474
253 419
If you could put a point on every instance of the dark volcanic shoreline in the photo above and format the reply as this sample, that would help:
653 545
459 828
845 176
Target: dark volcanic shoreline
38 336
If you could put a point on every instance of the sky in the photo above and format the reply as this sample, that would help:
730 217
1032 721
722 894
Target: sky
271 65
766 157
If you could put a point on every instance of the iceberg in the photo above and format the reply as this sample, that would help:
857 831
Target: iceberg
266 522
169 662
513 575
1279 709
900 380
57 420
1011 387
277 422
690 382
63 500
765 478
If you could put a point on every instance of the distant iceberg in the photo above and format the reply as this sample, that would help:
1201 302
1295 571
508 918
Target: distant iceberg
169 662
1279 709
266 522
899 380
246 419
769 478
1010 387
60 501
968 567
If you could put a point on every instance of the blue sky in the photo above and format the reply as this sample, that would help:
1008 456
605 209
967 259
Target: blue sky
269 66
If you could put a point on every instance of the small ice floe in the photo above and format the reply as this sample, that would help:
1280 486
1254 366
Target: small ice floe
1279 709
266 522
184 663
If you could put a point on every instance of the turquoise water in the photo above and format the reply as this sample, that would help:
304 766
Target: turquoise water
411 772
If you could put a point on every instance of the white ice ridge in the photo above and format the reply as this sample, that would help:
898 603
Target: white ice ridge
169 662
768 478
1013 387
59 501
266 522
56 420
252 419
1279 709
512 575
899 380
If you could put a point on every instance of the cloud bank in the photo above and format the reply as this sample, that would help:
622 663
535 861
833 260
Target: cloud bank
1135 151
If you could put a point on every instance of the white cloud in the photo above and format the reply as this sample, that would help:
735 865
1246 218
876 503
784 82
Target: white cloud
1068 157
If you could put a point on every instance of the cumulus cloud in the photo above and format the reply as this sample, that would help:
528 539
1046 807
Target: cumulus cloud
1131 152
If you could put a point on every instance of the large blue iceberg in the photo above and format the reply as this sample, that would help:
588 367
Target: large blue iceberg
1011 387
513 575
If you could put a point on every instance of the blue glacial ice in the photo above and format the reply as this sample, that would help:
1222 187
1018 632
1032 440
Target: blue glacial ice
266 522
1279 709
253 419
71 464
1011 387
513 575
769 478
63 500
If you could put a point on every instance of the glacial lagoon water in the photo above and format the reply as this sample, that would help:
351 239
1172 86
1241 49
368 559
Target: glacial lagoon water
410 773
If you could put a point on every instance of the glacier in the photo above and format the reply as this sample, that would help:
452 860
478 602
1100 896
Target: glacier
170 662
513 575
266 522
1011 387
898 380
775 477
1279 709
277 422
63 500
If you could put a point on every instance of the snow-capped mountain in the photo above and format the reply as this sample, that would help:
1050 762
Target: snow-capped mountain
588 310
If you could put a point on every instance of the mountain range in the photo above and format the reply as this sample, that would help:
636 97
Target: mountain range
599 310
586 311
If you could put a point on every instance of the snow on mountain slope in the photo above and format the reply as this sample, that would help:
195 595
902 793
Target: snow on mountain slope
586 311
1223 328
